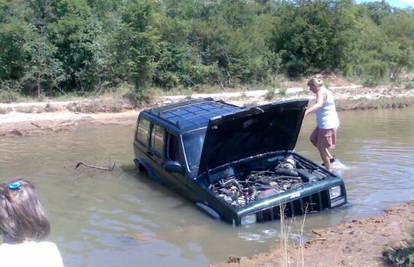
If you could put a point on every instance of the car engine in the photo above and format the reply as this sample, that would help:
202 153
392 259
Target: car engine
289 174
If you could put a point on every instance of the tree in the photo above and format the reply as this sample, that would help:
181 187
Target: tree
302 36
42 67
13 30
135 43
12 56
399 28
75 32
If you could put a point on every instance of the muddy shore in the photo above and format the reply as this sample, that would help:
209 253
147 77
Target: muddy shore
358 243
47 117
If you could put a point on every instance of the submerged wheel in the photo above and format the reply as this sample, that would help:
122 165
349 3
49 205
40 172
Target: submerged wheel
141 168
208 210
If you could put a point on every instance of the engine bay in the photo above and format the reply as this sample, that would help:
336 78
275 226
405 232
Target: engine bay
244 185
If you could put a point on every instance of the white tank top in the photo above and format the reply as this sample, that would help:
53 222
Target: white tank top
326 116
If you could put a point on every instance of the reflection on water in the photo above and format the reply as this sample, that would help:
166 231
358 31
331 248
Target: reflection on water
121 219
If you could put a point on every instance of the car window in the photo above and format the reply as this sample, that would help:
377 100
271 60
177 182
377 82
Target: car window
157 140
174 152
193 144
142 131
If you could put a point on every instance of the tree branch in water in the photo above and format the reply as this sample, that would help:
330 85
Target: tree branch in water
81 163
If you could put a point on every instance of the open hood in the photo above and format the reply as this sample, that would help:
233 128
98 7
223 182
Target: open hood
250 132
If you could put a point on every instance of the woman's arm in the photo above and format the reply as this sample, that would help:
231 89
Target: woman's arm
320 100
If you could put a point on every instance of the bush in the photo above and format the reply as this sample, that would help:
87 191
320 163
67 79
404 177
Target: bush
370 82
9 96
139 98
409 86
270 94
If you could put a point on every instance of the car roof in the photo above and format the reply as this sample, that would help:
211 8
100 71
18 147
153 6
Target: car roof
192 114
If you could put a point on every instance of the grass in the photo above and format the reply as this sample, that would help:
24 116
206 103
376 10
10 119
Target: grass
9 96
284 237
292 242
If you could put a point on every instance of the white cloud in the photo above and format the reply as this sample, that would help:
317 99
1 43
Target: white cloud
409 2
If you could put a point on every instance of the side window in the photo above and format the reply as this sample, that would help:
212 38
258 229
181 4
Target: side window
157 140
174 152
143 131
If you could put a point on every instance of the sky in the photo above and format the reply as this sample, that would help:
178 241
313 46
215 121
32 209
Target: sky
395 3
401 3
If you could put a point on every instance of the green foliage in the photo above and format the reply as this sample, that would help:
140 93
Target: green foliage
270 94
9 92
409 85
303 35
12 56
8 96
85 46
42 69
75 33
135 43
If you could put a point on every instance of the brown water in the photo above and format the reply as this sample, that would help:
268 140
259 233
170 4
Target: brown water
108 219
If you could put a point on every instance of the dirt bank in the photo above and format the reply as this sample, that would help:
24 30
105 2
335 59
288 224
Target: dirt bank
23 124
51 116
358 243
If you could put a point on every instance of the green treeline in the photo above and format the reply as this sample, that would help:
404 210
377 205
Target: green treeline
58 46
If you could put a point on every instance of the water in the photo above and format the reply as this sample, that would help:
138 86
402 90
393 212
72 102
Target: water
108 219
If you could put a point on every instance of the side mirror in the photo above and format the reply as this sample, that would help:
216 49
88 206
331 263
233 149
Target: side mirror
173 166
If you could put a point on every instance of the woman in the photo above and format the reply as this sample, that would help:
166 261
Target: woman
24 225
324 135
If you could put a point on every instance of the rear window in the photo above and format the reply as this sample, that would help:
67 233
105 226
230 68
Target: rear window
157 140
143 130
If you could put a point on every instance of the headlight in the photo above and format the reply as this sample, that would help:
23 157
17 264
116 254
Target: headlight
248 219
335 192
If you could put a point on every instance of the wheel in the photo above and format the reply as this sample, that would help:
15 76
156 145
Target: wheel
141 168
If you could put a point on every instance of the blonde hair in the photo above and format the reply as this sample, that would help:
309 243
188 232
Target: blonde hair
316 81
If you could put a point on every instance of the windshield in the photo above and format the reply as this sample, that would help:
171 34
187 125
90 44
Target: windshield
193 144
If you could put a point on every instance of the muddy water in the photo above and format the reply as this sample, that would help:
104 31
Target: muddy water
121 219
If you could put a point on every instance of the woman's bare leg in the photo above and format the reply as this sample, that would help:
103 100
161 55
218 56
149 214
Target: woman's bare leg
325 158
328 153
314 137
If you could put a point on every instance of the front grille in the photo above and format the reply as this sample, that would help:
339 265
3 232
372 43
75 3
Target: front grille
309 204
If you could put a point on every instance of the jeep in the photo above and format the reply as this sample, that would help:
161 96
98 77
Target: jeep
235 164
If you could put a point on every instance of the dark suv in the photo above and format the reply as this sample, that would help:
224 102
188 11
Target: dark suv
236 164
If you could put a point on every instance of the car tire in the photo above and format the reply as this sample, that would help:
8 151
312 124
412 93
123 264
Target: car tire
208 210
141 168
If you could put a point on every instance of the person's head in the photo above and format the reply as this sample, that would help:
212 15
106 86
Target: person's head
315 84
22 217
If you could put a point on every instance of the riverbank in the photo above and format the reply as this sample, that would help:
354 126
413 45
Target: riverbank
358 243
57 116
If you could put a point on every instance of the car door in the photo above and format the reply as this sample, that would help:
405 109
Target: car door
141 143
156 150
175 152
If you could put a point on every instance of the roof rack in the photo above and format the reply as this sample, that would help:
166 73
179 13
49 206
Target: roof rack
194 113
